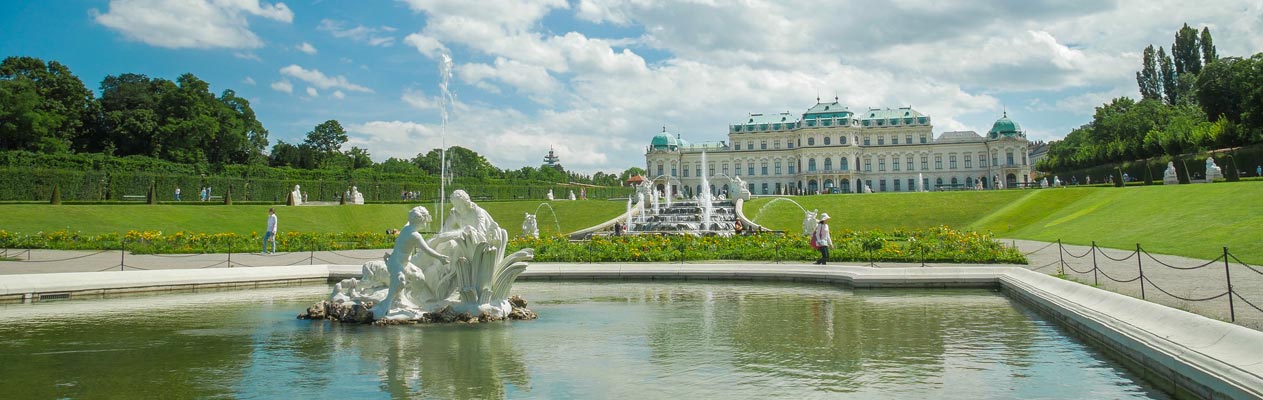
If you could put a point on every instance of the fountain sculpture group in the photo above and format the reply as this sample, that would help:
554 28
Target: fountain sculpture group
462 274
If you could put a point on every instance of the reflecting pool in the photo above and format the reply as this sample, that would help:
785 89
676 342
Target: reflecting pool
592 340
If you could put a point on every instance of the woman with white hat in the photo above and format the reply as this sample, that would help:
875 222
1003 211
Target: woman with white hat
820 237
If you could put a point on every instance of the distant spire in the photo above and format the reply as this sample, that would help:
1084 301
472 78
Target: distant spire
664 129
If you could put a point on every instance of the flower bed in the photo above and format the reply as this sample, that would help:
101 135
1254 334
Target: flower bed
939 244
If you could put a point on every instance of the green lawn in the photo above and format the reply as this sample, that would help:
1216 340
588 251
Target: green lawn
1189 220
244 219
884 211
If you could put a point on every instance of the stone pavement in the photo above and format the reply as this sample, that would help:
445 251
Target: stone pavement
1163 284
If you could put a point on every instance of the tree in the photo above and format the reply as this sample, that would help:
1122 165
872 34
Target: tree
1169 86
326 139
56 118
1147 78
359 158
1209 55
1186 52
628 173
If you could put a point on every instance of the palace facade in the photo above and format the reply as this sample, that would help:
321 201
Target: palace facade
833 149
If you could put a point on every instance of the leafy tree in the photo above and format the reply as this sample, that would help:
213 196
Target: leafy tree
1147 78
1169 86
461 162
1209 54
57 117
359 158
1186 51
326 139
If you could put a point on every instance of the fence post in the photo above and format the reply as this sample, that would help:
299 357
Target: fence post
1095 280
1141 268
682 250
1232 312
921 249
777 252
230 257
1061 258
122 253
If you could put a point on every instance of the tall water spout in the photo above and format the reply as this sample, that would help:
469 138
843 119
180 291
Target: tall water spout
704 198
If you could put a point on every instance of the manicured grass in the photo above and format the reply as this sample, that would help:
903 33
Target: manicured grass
885 211
1188 220
245 219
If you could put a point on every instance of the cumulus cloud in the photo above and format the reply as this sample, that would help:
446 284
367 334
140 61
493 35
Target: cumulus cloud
320 80
337 94
419 100
248 81
311 92
191 23
283 86
307 48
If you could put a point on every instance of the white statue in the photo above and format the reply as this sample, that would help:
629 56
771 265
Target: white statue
356 196
297 195
809 221
529 228
867 189
743 192
1212 171
550 195
571 196
1043 183
1169 176
1056 181
462 270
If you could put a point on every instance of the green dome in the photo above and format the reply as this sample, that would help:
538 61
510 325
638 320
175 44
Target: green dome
664 141
1005 127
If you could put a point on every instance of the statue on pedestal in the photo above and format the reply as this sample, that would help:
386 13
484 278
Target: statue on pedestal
1169 176
462 274
550 195
297 195
529 227
1212 171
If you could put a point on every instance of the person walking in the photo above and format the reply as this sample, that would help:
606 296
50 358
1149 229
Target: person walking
820 237
177 193
270 234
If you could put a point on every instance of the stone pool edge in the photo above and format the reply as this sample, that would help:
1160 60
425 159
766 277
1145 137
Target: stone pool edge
1183 353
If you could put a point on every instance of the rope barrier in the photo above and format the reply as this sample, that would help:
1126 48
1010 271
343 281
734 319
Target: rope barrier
1078 271
297 262
107 268
1234 257
139 268
1102 252
1040 249
1225 293
1248 302
1208 263
176 255
1067 251
321 260
1107 276
1045 266
66 259
213 265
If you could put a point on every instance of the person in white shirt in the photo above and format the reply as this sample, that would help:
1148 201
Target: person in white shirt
822 239
270 235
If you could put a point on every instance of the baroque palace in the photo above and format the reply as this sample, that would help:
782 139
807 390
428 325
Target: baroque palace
832 149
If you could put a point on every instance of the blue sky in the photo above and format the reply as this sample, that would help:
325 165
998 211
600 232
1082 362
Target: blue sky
596 79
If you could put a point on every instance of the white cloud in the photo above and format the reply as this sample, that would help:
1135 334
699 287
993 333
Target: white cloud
283 86
307 48
311 92
247 56
425 44
337 94
248 81
359 33
320 80
419 100
191 23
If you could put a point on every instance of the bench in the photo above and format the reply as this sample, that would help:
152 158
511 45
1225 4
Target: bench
134 197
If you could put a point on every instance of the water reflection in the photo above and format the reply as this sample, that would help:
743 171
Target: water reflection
643 340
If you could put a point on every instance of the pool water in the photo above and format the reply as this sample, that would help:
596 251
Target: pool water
592 340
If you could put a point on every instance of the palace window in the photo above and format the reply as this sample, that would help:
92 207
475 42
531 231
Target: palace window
894 165
951 161
750 168
763 144
791 167
868 164
789 144
923 139
776 144
828 164
686 170
896 183
778 167
882 183
725 168
907 138
881 163
750 145
982 160
811 141
826 140
969 161
699 170
894 139
764 169
866 141
842 139
881 140
925 163
912 185
910 163
1009 157
844 164
659 168
710 169
938 161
